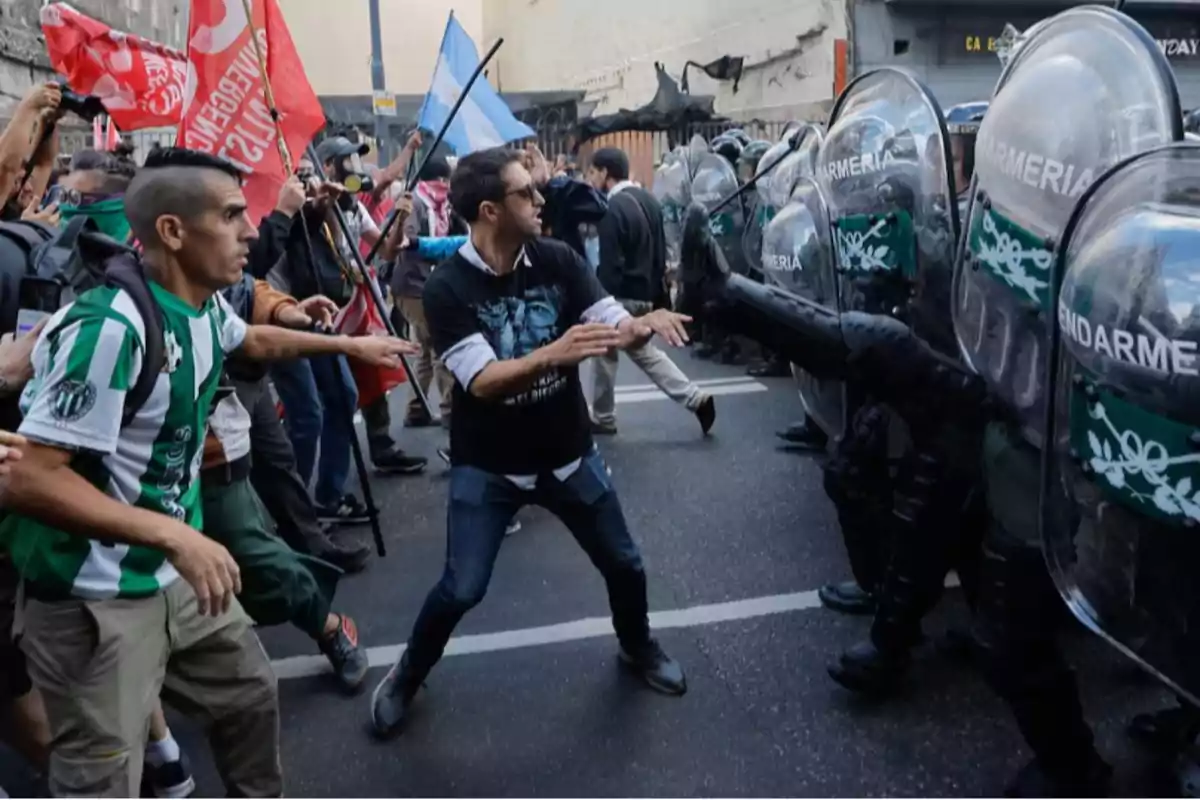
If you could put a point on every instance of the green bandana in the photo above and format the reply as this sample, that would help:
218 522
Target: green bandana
109 216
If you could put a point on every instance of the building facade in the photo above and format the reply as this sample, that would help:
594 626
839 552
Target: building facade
23 60
608 49
334 41
950 44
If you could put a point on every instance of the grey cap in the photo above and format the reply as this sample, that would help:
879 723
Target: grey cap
336 147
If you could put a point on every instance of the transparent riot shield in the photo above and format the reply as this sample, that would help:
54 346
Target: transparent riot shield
798 256
792 164
715 180
882 169
672 188
1120 517
1085 89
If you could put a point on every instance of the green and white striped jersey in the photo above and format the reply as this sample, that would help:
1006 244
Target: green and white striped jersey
85 362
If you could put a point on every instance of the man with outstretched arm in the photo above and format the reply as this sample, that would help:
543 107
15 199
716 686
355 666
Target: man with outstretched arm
107 511
513 315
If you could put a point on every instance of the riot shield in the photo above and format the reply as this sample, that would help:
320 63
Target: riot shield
882 169
1121 487
1087 88
798 256
793 164
715 180
672 188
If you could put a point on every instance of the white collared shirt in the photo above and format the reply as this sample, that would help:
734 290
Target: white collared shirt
620 187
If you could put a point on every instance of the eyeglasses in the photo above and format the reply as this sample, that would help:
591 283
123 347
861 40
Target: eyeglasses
74 197
529 192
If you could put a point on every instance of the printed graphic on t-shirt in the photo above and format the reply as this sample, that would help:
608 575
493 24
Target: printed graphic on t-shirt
516 326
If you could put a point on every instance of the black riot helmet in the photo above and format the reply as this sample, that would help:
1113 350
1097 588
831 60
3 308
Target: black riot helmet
962 123
738 135
728 147
1191 121
749 160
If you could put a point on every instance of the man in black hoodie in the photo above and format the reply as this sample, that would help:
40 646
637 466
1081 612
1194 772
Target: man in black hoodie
633 265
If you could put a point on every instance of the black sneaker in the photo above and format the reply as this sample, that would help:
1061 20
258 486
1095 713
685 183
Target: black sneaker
391 701
349 511
348 659
172 779
401 463
660 672
706 412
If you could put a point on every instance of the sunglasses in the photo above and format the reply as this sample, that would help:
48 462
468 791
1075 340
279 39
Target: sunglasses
529 192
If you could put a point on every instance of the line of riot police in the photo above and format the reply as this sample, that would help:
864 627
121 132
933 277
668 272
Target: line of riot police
1004 364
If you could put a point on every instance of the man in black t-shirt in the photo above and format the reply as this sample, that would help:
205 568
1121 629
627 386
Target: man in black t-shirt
512 316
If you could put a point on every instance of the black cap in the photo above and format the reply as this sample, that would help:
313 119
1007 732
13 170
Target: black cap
336 147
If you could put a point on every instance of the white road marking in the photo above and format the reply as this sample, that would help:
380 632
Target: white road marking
646 392
703 384
590 628
654 393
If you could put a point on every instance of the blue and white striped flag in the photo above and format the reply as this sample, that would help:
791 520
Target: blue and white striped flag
484 120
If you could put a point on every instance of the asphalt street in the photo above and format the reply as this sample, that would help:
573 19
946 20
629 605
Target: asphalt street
737 534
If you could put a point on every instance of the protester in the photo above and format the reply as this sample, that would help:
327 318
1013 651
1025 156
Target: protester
513 315
273 470
20 139
85 477
431 217
633 267
319 395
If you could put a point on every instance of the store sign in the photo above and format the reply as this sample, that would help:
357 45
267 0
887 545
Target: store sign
1178 41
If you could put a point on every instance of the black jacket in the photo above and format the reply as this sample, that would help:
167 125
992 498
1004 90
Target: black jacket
571 203
633 247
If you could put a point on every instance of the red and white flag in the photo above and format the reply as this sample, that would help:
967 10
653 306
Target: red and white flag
141 83
227 114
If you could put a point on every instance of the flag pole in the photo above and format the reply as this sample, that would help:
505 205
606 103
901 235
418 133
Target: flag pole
412 180
346 409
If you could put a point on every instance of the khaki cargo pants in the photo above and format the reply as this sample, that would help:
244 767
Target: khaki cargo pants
101 665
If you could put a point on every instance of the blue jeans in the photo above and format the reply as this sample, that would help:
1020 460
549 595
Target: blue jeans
481 506
317 412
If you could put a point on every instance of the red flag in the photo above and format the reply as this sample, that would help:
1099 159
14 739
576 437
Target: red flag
140 82
360 317
98 133
113 138
228 114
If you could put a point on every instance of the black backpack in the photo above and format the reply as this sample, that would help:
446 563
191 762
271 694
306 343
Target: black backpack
77 257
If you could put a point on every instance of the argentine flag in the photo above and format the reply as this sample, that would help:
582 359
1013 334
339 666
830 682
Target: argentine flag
484 120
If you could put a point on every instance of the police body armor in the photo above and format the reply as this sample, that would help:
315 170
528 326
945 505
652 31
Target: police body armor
756 210
1121 502
672 189
1080 92
798 256
714 182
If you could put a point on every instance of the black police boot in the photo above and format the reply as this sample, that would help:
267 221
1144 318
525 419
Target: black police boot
847 597
771 366
804 435
866 669
393 698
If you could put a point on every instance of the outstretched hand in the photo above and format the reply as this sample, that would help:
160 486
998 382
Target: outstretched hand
382 351
667 324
